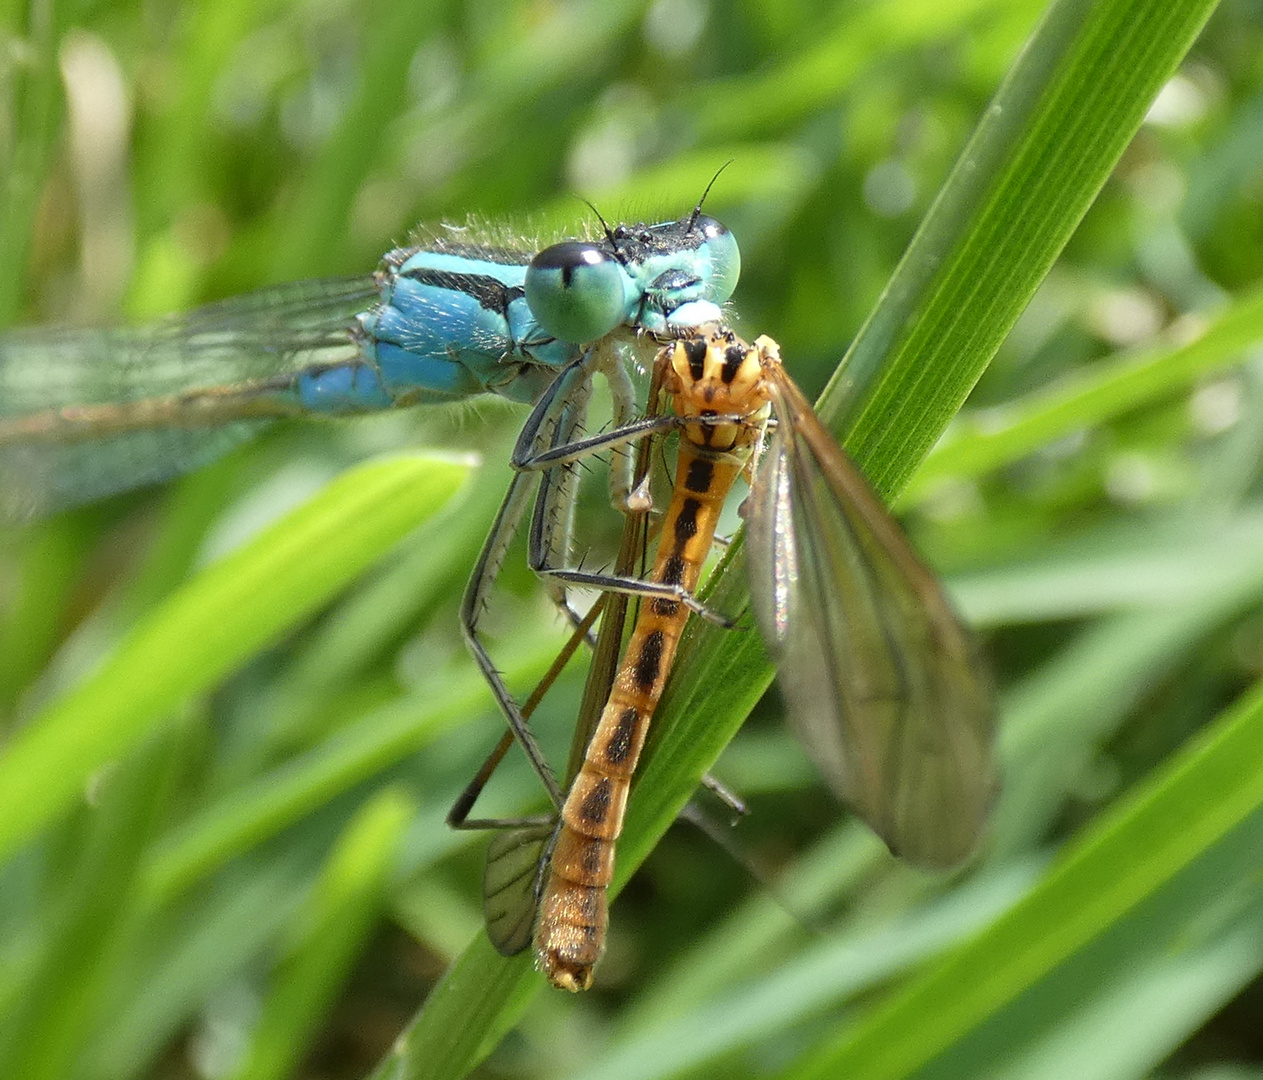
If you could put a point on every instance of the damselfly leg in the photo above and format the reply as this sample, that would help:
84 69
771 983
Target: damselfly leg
517 856
554 425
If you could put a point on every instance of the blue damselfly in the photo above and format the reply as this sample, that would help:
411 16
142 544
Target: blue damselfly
85 413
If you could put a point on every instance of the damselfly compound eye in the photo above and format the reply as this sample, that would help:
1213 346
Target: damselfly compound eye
720 246
576 291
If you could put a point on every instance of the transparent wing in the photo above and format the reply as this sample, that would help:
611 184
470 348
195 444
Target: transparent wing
881 681
135 429
512 880
41 478
244 339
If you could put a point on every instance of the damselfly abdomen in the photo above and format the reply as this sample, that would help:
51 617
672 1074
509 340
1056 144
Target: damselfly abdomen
85 413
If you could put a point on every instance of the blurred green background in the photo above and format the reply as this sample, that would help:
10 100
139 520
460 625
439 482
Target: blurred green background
264 885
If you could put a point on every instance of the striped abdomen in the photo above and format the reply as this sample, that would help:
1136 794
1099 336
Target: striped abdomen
713 375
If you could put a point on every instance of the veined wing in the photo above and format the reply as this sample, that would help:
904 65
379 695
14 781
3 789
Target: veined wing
244 339
880 678
86 413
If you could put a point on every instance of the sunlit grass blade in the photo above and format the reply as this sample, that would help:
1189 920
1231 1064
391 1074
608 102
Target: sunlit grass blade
1101 392
1125 861
329 931
211 625
829 971
259 808
63 997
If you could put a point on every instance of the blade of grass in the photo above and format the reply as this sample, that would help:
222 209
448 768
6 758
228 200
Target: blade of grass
37 31
332 927
1158 976
1122 862
837 967
92 905
255 810
202 632
1003 435
179 959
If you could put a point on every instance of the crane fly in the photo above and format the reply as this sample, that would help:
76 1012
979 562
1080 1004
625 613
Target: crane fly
881 680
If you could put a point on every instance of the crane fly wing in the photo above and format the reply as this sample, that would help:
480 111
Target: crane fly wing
512 879
881 681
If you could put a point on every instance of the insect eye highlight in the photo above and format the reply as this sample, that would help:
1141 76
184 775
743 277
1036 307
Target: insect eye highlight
719 246
576 290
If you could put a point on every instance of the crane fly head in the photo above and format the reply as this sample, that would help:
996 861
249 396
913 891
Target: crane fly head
714 373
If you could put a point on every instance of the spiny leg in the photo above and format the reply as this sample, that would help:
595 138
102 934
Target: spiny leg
545 460
554 421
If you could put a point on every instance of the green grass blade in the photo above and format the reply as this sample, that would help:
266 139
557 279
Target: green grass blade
93 910
1048 142
1124 860
333 926
255 810
31 54
1102 392
210 626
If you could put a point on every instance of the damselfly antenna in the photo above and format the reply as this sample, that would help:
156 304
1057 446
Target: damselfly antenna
697 210
609 233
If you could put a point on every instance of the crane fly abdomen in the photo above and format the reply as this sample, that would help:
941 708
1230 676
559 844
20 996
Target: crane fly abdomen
715 375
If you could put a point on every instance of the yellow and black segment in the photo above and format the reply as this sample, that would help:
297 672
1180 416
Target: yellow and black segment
719 390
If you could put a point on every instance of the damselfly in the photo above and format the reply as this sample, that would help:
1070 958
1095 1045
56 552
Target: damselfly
880 679
86 413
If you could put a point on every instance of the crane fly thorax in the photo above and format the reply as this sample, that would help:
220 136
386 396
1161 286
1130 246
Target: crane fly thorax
718 374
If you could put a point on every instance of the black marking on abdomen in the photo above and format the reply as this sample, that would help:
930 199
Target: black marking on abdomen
700 475
620 743
596 803
649 662
686 522
672 570
593 859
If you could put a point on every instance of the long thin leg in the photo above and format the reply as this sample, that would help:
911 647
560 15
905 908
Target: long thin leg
548 448
552 522
554 421
458 816
518 858
543 553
